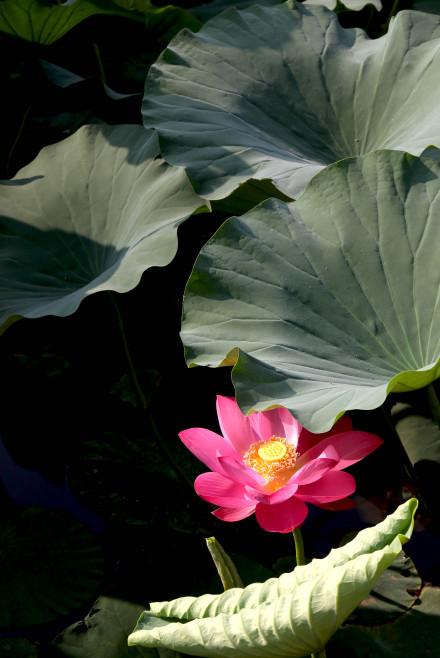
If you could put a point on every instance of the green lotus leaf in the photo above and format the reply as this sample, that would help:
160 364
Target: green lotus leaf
429 6
282 91
412 422
392 596
90 213
328 303
41 22
165 21
247 196
293 615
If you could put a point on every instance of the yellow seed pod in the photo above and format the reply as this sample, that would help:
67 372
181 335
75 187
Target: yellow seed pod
272 451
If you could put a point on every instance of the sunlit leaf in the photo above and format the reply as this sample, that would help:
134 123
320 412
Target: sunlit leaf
293 615
90 213
328 303
281 91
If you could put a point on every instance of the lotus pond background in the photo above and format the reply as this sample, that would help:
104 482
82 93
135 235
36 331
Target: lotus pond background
99 511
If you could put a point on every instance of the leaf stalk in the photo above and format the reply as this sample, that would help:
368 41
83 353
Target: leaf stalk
299 547
133 374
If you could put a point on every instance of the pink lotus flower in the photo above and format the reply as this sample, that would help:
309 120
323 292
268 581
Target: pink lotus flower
269 464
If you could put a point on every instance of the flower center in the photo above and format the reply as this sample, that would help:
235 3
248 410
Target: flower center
273 459
272 451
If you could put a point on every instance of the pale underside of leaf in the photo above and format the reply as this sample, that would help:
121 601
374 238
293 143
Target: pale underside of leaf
294 615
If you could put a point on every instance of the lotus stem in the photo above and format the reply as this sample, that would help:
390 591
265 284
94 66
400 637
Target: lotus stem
160 442
128 355
100 64
17 137
370 18
299 547
300 561
390 16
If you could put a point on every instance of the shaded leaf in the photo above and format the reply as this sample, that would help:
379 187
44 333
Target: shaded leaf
250 570
428 6
416 633
420 437
90 213
103 633
247 196
293 615
281 91
391 596
331 302
165 21
63 78
45 23
411 424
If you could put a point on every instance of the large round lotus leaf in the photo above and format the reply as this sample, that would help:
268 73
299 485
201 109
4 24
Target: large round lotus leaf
90 213
43 22
51 564
330 302
281 91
